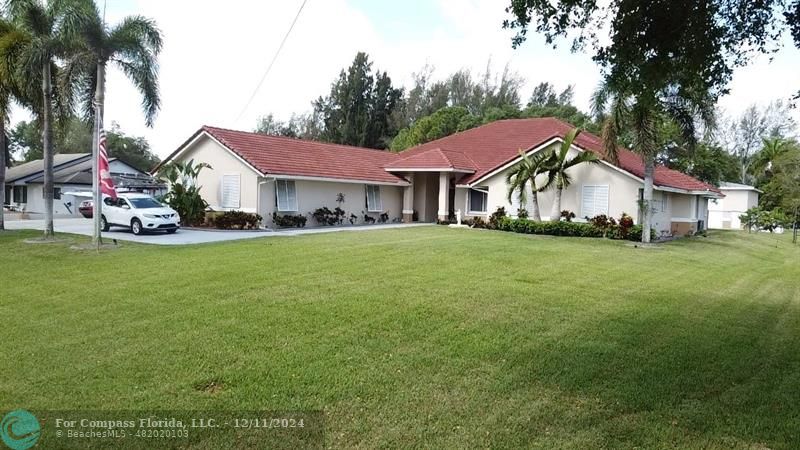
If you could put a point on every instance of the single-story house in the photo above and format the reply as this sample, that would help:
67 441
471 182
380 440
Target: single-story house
463 172
72 182
724 213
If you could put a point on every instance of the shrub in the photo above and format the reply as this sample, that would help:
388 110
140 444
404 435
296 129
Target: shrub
635 233
383 218
236 220
324 216
494 219
567 215
549 228
600 221
522 213
288 221
184 193
478 222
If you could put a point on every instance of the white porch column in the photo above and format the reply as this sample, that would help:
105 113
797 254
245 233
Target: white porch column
408 200
444 194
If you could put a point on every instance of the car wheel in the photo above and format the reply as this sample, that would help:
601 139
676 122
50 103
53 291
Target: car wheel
104 224
172 231
136 227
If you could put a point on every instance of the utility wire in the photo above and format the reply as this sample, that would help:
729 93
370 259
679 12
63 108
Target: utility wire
274 58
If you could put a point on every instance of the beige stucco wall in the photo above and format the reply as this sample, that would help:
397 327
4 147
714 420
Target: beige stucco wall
623 192
724 213
222 162
317 194
257 193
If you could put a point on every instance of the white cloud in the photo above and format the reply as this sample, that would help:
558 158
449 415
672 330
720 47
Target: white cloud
216 52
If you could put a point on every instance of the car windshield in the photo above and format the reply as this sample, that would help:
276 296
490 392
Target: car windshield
145 203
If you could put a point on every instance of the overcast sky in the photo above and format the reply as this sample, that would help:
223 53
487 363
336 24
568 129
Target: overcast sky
215 52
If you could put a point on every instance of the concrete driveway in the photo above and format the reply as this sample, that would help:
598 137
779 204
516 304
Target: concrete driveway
182 236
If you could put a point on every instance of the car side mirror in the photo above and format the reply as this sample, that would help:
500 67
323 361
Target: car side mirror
126 207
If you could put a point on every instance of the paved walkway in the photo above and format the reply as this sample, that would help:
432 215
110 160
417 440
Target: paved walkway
183 237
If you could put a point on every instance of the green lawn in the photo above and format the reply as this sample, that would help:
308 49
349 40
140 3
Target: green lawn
429 336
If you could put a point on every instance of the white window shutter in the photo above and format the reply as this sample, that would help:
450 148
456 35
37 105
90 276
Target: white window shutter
231 191
594 201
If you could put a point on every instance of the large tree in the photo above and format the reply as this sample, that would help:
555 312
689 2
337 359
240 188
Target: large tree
743 136
358 109
44 31
133 46
10 91
668 61
635 120
691 44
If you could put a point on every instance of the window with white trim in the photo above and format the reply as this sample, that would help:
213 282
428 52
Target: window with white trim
478 200
374 198
594 201
285 195
231 190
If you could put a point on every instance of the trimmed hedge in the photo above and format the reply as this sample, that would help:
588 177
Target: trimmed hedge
236 220
562 228
549 228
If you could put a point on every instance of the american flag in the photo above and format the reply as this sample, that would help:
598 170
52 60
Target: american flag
106 183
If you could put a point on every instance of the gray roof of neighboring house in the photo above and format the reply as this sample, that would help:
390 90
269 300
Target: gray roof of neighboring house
81 173
36 167
725 185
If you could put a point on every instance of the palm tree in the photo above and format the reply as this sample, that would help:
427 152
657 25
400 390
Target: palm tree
10 91
133 46
773 148
638 116
43 32
557 165
524 173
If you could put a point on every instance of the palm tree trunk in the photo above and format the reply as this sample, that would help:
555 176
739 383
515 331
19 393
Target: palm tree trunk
3 163
555 215
535 206
647 196
99 100
47 143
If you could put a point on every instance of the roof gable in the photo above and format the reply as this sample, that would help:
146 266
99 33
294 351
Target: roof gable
434 159
496 144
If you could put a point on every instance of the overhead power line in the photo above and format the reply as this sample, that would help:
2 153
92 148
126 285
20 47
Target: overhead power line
272 63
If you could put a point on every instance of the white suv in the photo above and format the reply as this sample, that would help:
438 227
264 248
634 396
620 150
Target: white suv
139 212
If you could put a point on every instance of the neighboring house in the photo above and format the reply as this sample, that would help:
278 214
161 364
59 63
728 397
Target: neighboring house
724 213
465 171
72 174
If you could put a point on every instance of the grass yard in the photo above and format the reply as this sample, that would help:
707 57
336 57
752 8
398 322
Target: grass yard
428 337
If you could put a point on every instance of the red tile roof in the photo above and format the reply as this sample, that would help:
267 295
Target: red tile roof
477 151
492 145
434 159
275 155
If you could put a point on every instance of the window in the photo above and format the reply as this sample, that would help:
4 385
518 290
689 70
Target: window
145 203
8 195
56 193
374 199
594 201
230 191
110 201
477 200
20 194
285 195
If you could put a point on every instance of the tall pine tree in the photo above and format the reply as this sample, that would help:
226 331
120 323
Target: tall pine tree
359 107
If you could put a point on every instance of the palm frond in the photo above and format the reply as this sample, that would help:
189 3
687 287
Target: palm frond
145 77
